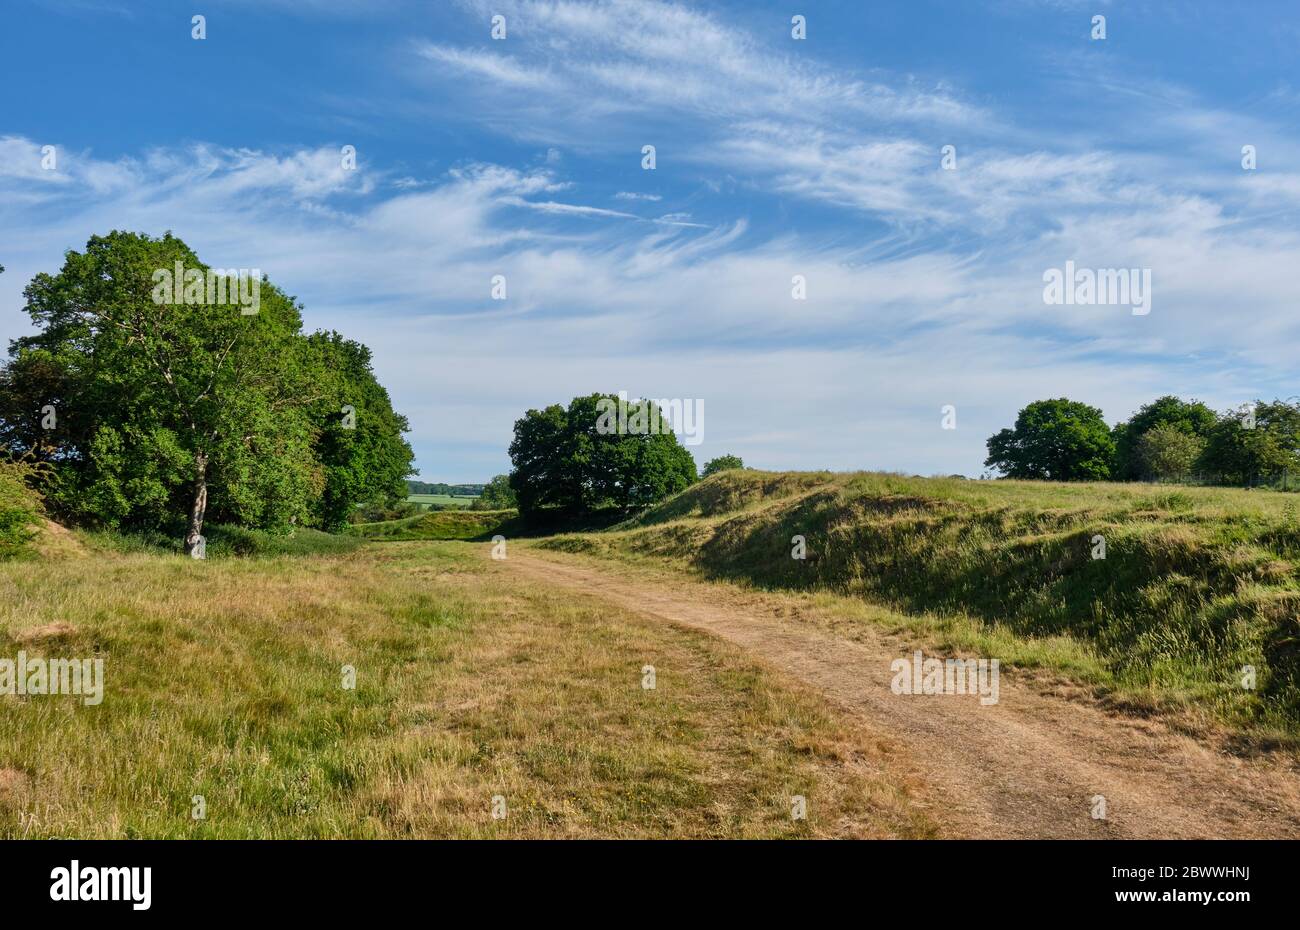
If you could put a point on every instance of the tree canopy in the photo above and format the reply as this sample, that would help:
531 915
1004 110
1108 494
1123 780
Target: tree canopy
1190 417
1168 438
1060 440
149 408
564 459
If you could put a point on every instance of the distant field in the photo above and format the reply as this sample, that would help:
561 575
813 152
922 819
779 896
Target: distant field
443 499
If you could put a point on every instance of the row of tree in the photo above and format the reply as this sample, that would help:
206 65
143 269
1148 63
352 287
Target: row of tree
144 410
1167 439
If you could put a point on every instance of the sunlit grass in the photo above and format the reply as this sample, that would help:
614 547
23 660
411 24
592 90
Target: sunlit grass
224 679
1197 587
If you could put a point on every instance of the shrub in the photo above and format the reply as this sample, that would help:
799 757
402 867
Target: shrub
721 463
21 511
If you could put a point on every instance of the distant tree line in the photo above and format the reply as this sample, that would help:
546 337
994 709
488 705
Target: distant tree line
1169 439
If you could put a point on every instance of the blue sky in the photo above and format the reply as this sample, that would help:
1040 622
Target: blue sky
775 158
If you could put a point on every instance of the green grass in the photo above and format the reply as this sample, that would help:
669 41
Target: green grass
225 679
1197 583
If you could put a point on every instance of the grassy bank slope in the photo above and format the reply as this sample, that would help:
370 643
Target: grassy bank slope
1196 583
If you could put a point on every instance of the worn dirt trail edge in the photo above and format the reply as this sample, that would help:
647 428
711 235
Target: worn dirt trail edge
1025 767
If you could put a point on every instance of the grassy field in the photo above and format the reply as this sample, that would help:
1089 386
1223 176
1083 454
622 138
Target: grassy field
225 679
445 500
1197 584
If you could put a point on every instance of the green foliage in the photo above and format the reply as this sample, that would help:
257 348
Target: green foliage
1242 452
243 541
578 459
20 510
441 502
1192 418
368 459
156 401
225 541
1058 440
721 463
497 495
1166 452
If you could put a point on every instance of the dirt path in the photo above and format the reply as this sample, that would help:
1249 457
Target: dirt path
1028 766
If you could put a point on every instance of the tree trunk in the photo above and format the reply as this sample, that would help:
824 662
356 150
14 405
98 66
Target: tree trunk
200 505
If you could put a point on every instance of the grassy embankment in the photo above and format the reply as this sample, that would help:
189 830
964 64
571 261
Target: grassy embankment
439 524
225 679
1196 583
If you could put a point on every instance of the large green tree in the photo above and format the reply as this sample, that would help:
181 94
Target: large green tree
571 460
1059 440
1187 416
149 406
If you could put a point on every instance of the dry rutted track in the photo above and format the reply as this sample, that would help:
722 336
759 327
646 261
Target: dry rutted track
1028 766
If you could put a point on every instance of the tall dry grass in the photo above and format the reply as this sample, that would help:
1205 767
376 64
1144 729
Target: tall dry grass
224 680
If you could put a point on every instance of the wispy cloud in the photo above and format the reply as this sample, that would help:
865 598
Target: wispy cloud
642 56
604 306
